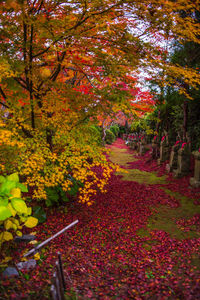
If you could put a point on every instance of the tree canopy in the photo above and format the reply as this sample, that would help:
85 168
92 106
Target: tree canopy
68 64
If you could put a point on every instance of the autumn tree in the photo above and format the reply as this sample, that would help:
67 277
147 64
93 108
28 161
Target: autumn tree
65 61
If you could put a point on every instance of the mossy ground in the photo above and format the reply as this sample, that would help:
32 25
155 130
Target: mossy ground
121 156
166 217
142 177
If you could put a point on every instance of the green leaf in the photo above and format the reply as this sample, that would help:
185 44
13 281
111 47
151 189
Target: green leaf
7 186
39 213
63 195
52 196
4 213
22 187
74 190
3 201
48 202
13 177
26 276
19 205
2 179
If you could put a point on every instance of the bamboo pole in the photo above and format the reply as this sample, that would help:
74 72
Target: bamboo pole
37 248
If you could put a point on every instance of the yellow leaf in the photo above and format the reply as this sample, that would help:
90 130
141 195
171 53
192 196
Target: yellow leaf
8 224
6 259
14 226
37 256
33 233
31 222
45 72
23 219
12 210
16 222
19 233
29 211
16 193
33 242
7 236
24 258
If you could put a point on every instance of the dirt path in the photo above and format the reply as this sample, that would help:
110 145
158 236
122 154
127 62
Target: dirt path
140 240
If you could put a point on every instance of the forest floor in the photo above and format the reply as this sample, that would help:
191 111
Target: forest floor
140 240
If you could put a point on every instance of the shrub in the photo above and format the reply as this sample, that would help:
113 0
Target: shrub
96 133
115 129
110 137
121 130
75 154
14 212
56 194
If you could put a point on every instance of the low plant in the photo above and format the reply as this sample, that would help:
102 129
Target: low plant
39 214
110 137
14 213
56 194
115 129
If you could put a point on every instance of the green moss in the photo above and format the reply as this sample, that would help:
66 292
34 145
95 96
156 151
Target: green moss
187 207
121 157
143 232
143 177
195 260
166 217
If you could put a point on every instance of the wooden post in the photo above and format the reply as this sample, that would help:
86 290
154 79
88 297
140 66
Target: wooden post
57 286
61 287
61 270
53 292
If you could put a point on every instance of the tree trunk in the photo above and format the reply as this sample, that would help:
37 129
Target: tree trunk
185 118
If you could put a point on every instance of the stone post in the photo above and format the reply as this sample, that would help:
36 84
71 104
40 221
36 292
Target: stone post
164 151
173 160
183 168
155 150
195 181
133 144
142 147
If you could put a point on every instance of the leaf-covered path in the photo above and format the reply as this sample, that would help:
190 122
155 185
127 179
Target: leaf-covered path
140 240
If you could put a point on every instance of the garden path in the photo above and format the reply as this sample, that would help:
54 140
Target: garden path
140 240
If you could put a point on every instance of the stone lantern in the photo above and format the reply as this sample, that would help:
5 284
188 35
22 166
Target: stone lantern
184 156
195 181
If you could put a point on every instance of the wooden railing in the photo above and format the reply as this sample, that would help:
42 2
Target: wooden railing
58 286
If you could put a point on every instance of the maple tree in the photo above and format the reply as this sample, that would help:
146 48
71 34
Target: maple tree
63 62
64 66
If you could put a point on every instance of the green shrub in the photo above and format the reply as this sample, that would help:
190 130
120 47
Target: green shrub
39 213
96 133
110 137
14 212
121 130
115 129
56 195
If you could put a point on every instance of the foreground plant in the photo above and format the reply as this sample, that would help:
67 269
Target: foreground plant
14 213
